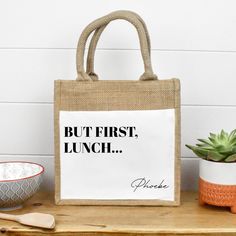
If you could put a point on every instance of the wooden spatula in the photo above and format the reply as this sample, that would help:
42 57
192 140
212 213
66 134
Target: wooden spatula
33 219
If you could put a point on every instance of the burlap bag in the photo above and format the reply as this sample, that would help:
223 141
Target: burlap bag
88 93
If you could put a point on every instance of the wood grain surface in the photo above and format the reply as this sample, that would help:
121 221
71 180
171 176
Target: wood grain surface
188 219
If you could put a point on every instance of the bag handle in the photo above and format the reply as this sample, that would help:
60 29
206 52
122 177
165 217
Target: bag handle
125 15
94 41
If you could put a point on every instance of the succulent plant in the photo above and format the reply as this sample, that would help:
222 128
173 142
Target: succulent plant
218 147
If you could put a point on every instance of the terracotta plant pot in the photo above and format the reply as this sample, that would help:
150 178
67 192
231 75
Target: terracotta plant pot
217 184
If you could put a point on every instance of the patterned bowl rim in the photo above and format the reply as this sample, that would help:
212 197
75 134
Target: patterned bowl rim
28 177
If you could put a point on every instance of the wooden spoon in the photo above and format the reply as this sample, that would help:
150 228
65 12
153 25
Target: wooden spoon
33 219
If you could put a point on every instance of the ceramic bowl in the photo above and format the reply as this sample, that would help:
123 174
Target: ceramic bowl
18 182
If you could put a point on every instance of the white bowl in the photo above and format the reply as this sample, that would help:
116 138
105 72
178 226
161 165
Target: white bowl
18 182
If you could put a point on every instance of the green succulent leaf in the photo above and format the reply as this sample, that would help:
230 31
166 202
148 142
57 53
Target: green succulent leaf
204 146
224 149
215 156
234 149
223 134
231 158
232 133
218 147
212 135
233 140
201 152
214 142
205 141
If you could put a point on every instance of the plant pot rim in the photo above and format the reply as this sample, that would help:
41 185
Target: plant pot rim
218 162
41 171
218 172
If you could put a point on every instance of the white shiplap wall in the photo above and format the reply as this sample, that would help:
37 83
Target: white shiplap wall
191 40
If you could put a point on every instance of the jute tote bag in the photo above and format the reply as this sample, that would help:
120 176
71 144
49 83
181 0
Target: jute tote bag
117 142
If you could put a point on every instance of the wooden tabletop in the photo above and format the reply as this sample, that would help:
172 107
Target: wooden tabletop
188 219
